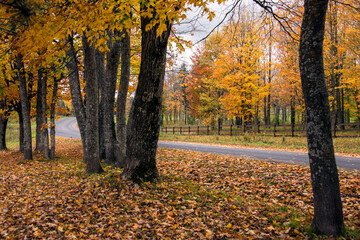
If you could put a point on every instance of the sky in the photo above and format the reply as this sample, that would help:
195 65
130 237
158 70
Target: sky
195 28
201 27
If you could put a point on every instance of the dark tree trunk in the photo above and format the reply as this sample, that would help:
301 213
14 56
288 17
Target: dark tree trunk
328 216
121 100
44 130
91 151
3 125
292 111
42 135
52 118
108 96
25 107
238 121
219 124
77 101
277 114
4 117
144 120
39 143
100 73
21 129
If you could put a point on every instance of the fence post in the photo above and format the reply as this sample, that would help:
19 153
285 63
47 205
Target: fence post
231 130
198 130
258 126
189 130
244 128
180 130
274 130
292 129
174 130
208 130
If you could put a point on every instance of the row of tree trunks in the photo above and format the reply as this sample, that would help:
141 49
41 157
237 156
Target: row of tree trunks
100 72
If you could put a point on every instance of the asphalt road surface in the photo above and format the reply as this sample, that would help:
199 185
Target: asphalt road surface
67 127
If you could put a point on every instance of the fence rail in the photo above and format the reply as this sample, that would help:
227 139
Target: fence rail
292 130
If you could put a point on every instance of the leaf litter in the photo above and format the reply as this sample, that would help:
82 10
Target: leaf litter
199 196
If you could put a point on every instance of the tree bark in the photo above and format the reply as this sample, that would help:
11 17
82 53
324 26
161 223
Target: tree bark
74 79
25 107
121 100
44 130
112 65
21 128
3 126
4 118
42 135
91 151
144 120
328 216
100 73
52 118
39 143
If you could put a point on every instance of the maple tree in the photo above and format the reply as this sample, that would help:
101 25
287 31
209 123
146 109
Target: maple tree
241 75
227 72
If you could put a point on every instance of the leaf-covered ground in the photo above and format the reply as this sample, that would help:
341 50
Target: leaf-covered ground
200 196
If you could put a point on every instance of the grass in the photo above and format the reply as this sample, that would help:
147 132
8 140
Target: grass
199 196
342 145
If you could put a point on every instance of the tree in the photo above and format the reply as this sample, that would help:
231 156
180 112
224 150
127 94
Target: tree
328 216
121 99
91 153
25 108
144 120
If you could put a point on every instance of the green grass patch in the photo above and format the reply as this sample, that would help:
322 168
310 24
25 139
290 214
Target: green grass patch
342 145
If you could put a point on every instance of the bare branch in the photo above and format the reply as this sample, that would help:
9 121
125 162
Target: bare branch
221 22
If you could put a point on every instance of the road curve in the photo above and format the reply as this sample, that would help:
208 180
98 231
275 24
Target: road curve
67 127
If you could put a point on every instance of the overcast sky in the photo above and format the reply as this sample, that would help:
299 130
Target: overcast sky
195 28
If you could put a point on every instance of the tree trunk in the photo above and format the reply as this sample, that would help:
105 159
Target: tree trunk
112 66
42 135
91 151
175 114
3 126
121 100
74 79
52 118
328 216
39 143
25 107
4 117
144 120
100 73
21 129
44 130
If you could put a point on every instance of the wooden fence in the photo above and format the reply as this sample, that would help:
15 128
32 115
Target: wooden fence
294 130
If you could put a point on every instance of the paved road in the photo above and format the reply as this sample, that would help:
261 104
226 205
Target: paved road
67 127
